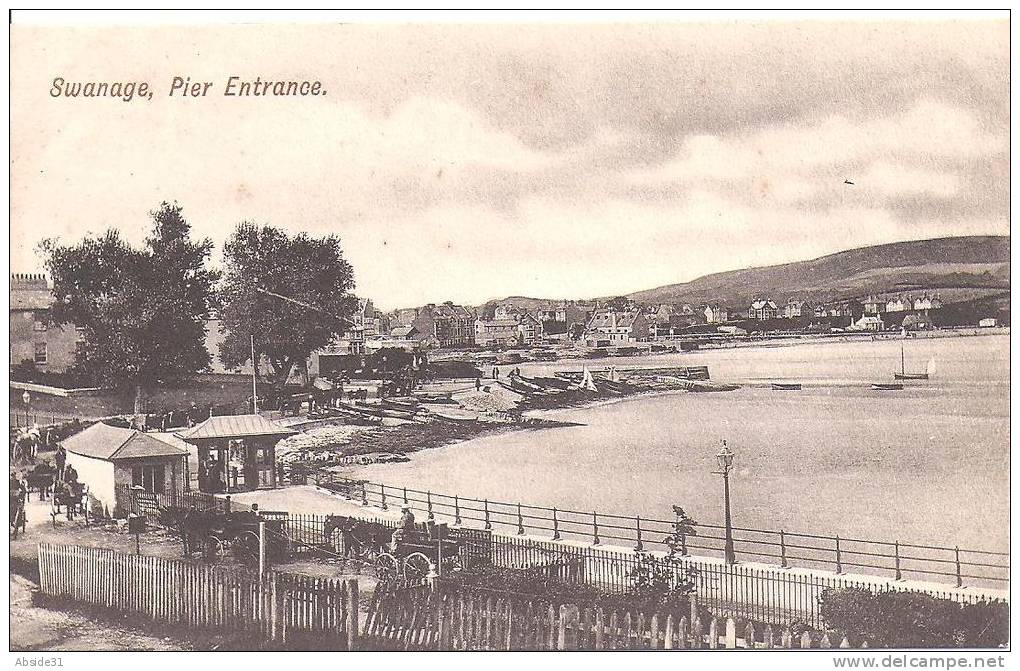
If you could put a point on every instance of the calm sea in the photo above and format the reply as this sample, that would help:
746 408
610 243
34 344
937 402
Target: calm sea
929 464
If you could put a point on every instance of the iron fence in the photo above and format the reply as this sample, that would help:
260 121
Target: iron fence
785 549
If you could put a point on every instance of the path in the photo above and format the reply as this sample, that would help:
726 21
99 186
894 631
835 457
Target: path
35 628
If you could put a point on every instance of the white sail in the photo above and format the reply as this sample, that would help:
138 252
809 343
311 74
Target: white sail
931 367
587 381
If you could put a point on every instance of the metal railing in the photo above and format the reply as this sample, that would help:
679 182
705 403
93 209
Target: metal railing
892 559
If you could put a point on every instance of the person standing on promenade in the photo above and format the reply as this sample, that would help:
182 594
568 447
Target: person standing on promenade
60 458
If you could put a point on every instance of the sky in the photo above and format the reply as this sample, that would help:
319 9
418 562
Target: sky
471 162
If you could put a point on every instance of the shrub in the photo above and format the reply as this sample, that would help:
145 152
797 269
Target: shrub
914 620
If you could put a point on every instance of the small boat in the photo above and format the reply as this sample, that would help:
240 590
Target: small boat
886 386
904 375
786 386
453 415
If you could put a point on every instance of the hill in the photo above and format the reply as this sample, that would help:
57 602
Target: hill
966 268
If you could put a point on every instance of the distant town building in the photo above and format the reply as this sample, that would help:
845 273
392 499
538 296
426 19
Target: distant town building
715 313
33 336
917 322
529 327
497 332
612 327
988 322
868 323
451 325
762 310
899 304
873 305
793 309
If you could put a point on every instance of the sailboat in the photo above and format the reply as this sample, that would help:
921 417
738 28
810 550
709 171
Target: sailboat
904 375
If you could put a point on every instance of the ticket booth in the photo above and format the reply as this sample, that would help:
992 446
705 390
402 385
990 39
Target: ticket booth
236 453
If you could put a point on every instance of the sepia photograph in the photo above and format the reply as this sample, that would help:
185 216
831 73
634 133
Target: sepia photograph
571 331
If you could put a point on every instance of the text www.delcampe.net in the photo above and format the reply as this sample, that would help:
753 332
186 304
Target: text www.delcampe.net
919 661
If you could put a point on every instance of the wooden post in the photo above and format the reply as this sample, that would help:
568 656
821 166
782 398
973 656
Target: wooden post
405 496
782 549
959 573
456 510
899 574
595 528
428 498
262 549
352 613
640 546
382 492
839 562
364 494
520 522
488 523
556 526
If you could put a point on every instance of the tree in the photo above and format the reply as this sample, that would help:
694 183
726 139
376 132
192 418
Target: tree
314 281
141 311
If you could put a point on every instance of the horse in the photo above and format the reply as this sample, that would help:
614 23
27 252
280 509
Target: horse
191 525
358 538
71 495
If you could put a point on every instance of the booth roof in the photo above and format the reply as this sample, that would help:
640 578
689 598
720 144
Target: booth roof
235 426
102 441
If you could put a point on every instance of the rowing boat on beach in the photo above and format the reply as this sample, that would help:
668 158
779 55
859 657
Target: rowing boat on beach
786 386
886 386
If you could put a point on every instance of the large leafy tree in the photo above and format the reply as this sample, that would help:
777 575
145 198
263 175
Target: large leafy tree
142 311
290 294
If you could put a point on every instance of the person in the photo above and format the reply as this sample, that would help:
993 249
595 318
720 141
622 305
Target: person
16 503
404 526
478 384
70 475
60 458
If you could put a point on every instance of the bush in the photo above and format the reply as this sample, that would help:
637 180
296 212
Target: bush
913 619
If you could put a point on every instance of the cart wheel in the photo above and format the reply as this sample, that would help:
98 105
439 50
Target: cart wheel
386 566
213 548
284 548
246 548
416 566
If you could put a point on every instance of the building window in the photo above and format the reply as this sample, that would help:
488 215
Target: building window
148 477
40 354
41 321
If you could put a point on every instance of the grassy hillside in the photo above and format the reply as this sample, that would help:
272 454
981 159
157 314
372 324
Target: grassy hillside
971 266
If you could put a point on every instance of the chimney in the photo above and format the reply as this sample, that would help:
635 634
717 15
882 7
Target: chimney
35 281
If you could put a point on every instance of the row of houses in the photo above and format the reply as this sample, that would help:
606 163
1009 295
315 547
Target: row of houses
509 324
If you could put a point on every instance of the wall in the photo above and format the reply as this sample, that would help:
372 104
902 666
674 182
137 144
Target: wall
98 475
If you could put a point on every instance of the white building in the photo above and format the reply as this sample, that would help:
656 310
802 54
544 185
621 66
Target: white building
111 460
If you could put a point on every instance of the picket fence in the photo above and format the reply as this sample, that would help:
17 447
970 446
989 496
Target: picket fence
283 608
474 622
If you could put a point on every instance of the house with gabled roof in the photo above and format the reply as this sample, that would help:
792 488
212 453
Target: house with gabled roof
608 327
110 460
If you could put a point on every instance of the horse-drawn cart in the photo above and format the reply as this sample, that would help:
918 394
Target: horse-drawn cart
414 556
217 534
411 554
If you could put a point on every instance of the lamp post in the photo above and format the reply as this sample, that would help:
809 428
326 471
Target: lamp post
725 459
27 398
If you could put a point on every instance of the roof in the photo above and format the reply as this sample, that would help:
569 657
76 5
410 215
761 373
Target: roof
607 318
235 426
102 441
758 305
403 331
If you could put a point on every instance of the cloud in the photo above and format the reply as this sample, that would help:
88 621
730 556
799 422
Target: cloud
467 162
